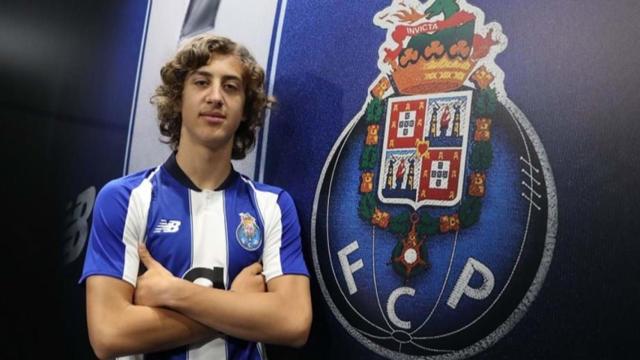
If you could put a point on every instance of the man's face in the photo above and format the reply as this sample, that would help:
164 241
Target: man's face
213 103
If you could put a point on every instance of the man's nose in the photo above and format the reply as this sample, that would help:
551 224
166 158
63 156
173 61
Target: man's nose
214 95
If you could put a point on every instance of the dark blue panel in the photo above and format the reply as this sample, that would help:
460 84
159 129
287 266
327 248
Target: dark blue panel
571 67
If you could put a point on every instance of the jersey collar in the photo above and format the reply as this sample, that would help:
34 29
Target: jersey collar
171 165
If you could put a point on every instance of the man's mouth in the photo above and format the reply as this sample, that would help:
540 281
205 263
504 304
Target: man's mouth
213 117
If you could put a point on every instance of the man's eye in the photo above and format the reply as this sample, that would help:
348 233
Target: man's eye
201 82
231 87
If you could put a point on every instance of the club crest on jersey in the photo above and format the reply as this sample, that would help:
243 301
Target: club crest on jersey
248 232
435 214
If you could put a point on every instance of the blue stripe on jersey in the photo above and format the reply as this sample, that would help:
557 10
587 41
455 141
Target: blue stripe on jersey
168 234
241 349
291 250
239 200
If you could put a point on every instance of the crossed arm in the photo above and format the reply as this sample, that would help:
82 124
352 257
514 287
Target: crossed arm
165 312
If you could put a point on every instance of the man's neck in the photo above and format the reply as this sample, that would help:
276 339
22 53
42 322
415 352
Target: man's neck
206 168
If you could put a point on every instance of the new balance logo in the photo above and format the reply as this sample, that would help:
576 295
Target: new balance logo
167 226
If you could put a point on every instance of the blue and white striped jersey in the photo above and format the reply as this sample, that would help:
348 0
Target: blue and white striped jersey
203 236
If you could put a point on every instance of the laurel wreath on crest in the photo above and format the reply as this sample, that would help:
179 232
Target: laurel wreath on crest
465 215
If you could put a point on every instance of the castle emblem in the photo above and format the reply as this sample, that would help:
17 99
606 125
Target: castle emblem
455 201
424 149
248 233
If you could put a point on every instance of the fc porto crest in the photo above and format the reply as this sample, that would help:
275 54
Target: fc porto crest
248 232
435 215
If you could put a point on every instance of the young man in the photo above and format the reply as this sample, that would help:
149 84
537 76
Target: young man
224 268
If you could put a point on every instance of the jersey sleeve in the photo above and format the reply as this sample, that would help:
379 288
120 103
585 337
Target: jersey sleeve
115 232
283 249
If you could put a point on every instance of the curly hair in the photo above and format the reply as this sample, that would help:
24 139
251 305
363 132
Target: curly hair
193 55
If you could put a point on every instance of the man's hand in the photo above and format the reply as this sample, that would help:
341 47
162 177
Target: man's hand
153 286
249 280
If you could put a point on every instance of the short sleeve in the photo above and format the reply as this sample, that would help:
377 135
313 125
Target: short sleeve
115 232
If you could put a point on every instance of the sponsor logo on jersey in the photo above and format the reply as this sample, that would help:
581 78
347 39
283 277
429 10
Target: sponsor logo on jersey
435 214
248 233
167 226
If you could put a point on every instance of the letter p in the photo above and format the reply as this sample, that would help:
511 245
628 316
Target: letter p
463 287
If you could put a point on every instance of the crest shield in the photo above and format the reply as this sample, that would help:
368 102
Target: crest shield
424 149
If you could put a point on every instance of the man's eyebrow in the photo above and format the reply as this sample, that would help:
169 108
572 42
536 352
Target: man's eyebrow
232 77
202 73
208 75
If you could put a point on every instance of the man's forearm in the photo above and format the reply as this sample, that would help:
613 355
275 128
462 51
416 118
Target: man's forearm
117 327
277 317
142 329
281 315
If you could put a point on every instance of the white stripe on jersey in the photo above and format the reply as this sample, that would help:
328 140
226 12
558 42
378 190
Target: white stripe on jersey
268 204
208 218
134 227
131 357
